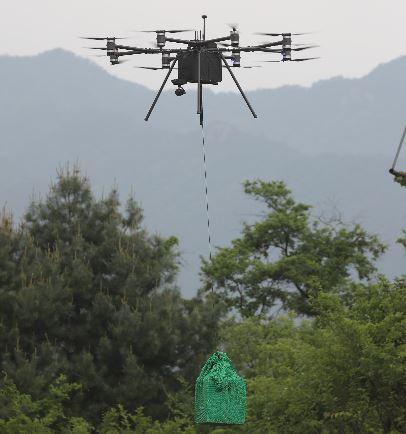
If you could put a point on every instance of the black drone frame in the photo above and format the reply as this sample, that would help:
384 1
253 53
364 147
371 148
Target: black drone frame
200 88
202 48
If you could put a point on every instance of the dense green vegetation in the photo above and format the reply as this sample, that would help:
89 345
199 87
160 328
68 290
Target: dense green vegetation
95 336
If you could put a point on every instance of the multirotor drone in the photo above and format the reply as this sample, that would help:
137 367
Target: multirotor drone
202 60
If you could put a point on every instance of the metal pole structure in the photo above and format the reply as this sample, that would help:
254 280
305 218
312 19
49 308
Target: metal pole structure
399 148
237 84
161 89
198 83
204 27
201 104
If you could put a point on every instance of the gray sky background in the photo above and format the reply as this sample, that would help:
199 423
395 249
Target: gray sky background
355 35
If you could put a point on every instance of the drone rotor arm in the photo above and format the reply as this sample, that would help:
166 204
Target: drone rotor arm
126 53
138 50
229 49
207 41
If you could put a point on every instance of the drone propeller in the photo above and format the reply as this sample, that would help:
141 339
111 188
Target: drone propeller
96 48
244 67
290 60
294 45
96 38
233 26
281 50
152 68
282 34
306 47
302 60
300 45
165 31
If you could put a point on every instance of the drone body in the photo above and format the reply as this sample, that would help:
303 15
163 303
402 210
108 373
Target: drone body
201 61
209 65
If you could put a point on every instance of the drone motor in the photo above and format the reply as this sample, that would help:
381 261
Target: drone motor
114 59
286 54
234 38
166 60
287 39
160 39
236 58
111 46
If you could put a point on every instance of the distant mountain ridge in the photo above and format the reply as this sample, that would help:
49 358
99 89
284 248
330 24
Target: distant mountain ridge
332 143
357 115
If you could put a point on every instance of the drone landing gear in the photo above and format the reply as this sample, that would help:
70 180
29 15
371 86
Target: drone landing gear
392 170
237 84
161 89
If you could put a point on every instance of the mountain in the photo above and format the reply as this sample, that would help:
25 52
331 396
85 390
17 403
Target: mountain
332 143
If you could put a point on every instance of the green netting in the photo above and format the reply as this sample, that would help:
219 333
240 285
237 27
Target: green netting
220 393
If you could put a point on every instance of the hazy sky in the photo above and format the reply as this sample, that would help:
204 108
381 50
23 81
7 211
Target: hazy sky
354 35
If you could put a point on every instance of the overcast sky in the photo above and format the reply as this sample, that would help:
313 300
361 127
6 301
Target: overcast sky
354 35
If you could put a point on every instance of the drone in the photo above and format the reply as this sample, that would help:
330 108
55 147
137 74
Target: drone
201 61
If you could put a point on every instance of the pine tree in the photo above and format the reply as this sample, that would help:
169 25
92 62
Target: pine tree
88 292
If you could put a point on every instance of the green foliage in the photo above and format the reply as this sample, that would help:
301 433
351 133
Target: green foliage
287 259
86 291
20 414
119 421
401 179
344 372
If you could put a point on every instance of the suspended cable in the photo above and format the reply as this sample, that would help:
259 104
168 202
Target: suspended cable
206 191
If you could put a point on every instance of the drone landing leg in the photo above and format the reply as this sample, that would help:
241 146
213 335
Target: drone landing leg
161 89
238 85
399 148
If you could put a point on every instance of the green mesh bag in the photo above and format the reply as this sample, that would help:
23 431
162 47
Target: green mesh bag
220 393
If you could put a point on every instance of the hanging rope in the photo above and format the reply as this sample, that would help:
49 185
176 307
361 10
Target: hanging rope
208 217
398 151
206 192
220 393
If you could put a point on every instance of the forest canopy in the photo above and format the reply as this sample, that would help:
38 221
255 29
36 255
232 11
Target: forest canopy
95 335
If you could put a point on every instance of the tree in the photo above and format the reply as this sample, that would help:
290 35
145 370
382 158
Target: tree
86 291
286 258
344 372
20 414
